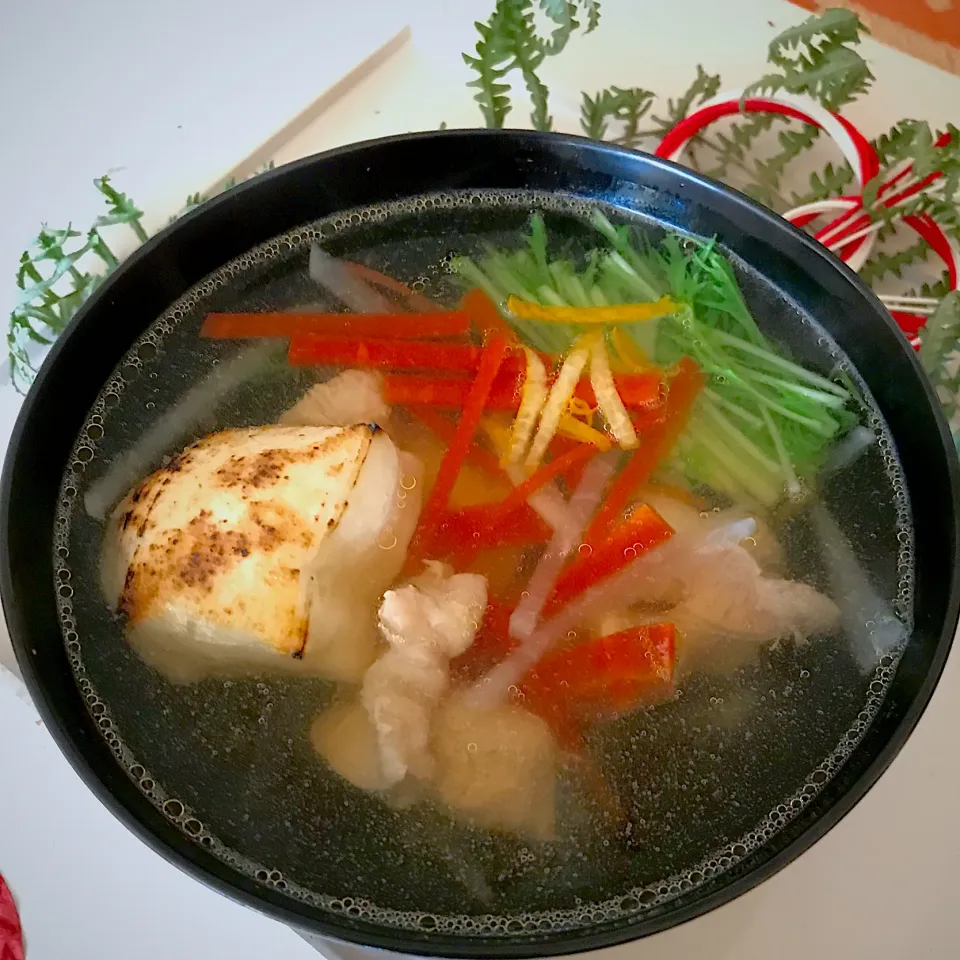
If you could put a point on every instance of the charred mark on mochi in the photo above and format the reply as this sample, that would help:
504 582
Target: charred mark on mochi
176 463
191 558
277 524
266 468
263 469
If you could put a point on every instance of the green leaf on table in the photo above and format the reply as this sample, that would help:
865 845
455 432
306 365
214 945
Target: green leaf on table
836 23
769 172
121 209
817 58
510 41
703 87
940 336
828 183
625 106
883 264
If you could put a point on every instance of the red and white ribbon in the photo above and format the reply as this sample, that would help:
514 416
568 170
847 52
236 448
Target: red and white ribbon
853 234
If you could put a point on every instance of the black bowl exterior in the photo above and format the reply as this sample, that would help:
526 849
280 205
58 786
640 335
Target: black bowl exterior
226 227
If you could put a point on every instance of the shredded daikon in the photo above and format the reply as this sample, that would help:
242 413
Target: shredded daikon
547 502
359 296
532 399
611 406
557 400
648 577
492 688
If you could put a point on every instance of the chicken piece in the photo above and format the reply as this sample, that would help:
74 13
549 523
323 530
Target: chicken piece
706 582
426 622
496 768
730 607
684 517
210 557
353 396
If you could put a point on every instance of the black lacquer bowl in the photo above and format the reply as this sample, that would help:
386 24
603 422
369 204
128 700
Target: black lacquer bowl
788 264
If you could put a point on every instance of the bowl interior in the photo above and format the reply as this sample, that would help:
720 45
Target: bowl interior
784 276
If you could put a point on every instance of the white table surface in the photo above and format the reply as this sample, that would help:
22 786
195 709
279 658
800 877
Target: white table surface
173 94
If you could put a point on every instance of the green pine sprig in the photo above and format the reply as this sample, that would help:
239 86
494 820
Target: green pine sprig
60 270
884 264
817 58
53 284
832 181
616 104
510 41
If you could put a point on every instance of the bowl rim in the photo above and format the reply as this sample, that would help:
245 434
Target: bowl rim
201 864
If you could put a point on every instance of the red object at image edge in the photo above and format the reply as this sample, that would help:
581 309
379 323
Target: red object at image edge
11 934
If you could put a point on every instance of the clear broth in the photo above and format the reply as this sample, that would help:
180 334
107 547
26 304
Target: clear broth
704 779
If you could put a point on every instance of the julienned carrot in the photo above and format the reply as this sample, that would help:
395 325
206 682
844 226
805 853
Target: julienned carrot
412 300
617 673
492 643
483 528
639 391
306 351
397 326
558 467
448 393
445 429
656 443
511 520
435 507
643 529
484 313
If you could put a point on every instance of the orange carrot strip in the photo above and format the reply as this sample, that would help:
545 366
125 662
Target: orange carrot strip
409 390
484 313
412 299
618 673
484 527
435 507
643 529
656 443
397 326
557 467
639 391
308 351
445 429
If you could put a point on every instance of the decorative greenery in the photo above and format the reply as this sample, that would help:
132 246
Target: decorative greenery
883 264
817 57
940 358
57 274
626 106
779 417
53 283
510 42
